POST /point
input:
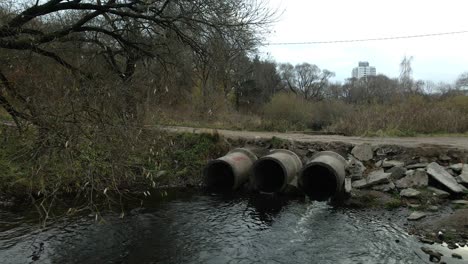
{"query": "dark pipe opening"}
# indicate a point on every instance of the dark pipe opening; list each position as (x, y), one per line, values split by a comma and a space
(269, 175)
(318, 182)
(219, 176)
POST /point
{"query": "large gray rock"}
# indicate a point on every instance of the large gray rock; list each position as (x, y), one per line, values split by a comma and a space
(392, 163)
(438, 193)
(374, 178)
(462, 179)
(355, 168)
(410, 193)
(438, 173)
(363, 152)
(416, 166)
(464, 175)
(397, 172)
(417, 178)
(416, 216)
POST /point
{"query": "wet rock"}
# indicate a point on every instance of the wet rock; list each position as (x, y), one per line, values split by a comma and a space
(438, 173)
(452, 246)
(355, 168)
(414, 206)
(440, 235)
(417, 166)
(438, 193)
(392, 163)
(410, 193)
(414, 216)
(384, 187)
(417, 178)
(433, 208)
(426, 241)
(434, 256)
(457, 256)
(374, 178)
(397, 172)
(363, 152)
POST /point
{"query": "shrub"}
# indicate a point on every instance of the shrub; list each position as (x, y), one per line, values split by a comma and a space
(288, 107)
(416, 115)
(304, 114)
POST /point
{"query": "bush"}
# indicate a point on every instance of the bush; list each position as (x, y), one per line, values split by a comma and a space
(288, 107)
(304, 114)
(416, 115)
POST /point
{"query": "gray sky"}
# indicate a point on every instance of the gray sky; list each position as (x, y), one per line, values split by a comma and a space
(440, 58)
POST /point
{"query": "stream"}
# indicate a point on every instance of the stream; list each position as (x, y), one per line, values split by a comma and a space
(186, 227)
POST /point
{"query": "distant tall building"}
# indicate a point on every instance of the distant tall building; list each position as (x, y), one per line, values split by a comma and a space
(363, 70)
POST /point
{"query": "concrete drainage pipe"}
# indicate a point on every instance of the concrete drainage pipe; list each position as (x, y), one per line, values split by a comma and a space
(273, 172)
(323, 177)
(230, 171)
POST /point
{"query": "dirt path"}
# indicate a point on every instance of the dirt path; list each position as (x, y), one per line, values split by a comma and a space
(443, 142)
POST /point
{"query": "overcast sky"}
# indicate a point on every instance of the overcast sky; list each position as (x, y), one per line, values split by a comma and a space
(440, 58)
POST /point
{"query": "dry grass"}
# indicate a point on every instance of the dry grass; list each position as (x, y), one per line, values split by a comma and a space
(412, 117)
(286, 112)
(4, 116)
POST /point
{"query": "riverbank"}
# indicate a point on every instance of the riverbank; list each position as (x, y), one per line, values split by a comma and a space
(161, 159)
(419, 181)
(104, 166)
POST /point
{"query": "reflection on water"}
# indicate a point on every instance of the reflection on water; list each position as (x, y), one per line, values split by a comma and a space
(213, 229)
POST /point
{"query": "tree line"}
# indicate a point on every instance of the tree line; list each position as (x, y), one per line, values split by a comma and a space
(79, 61)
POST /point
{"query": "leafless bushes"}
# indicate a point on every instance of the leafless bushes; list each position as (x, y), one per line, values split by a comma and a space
(411, 116)
(416, 115)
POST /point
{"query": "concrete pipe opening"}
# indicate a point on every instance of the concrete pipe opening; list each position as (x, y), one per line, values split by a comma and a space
(230, 171)
(323, 177)
(219, 176)
(319, 182)
(269, 175)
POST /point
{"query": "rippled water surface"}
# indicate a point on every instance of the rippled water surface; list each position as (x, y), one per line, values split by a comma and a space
(213, 229)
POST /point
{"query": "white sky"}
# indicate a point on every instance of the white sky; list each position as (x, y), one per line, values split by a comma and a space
(440, 58)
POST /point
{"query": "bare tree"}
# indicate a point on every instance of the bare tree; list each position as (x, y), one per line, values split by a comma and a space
(406, 75)
(373, 89)
(462, 81)
(306, 79)
(122, 32)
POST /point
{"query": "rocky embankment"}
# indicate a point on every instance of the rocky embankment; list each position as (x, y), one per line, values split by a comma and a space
(435, 191)
(425, 186)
